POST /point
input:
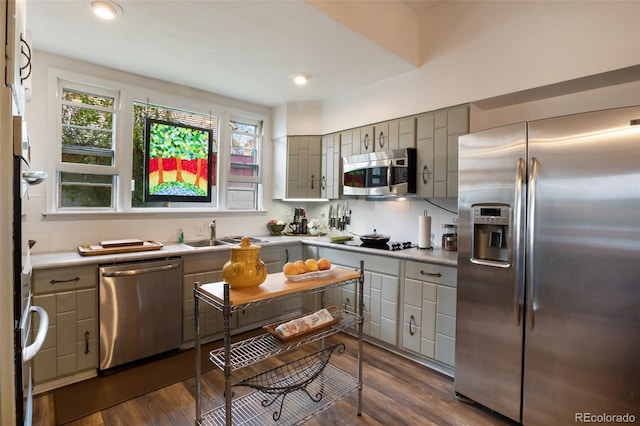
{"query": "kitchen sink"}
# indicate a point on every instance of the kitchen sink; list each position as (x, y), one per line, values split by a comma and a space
(206, 243)
(238, 239)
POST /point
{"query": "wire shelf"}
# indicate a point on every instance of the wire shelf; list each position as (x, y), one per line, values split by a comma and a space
(264, 346)
(333, 383)
(280, 382)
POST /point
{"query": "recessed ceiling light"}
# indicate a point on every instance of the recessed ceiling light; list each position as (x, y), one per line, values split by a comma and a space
(106, 9)
(301, 78)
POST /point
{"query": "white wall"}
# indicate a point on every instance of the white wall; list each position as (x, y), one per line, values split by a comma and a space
(477, 50)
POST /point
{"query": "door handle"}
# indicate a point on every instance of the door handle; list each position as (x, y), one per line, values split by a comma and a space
(381, 140)
(531, 205)
(425, 174)
(412, 320)
(140, 271)
(64, 281)
(518, 298)
(28, 352)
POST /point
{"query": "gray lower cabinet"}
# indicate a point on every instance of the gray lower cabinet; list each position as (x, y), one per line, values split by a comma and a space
(203, 268)
(207, 268)
(381, 292)
(69, 296)
(429, 311)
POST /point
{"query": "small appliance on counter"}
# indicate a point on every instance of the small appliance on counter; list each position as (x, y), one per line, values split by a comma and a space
(450, 237)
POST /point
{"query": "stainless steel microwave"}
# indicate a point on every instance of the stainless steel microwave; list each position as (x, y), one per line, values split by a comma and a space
(384, 173)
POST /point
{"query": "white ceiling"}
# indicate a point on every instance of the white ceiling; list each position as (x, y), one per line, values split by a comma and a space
(245, 49)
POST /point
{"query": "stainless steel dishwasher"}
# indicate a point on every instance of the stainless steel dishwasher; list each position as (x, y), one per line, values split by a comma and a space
(140, 310)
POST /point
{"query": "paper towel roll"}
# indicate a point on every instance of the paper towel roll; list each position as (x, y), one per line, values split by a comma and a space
(424, 232)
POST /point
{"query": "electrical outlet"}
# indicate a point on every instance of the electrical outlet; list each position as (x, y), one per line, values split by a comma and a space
(200, 229)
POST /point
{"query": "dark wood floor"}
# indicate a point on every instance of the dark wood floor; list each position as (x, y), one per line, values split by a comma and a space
(396, 391)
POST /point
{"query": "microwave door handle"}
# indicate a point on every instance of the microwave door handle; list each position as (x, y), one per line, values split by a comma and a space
(389, 176)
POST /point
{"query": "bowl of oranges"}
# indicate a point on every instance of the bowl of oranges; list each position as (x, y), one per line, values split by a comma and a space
(300, 270)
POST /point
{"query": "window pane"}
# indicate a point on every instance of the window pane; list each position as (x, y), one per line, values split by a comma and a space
(79, 96)
(241, 195)
(244, 149)
(86, 190)
(87, 128)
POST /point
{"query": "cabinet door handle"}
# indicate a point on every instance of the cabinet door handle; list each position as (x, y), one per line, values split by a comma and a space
(287, 255)
(431, 274)
(412, 320)
(366, 141)
(425, 174)
(324, 183)
(64, 281)
(381, 143)
(312, 177)
(86, 342)
(25, 50)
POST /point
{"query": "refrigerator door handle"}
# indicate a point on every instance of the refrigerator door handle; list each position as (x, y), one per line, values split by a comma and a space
(518, 298)
(531, 206)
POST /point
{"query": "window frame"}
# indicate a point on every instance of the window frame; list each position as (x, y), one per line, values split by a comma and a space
(93, 169)
(197, 101)
(260, 146)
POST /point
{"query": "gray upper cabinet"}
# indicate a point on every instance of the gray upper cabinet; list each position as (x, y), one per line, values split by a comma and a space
(367, 140)
(331, 162)
(395, 134)
(437, 135)
(297, 167)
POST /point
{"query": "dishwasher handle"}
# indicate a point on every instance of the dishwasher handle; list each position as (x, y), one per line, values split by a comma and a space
(139, 271)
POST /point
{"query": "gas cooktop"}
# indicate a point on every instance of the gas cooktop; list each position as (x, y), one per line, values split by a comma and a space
(391, 245)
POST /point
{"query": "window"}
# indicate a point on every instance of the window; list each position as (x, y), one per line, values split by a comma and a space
(99, 161)
(143, 111)
(244, 176)
(86, 168)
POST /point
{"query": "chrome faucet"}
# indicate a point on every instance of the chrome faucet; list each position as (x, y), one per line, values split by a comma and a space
(212, 230)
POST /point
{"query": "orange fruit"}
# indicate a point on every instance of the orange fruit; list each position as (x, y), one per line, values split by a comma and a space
(290, 269)
(312, 265)
(300, 266)
(324, 264)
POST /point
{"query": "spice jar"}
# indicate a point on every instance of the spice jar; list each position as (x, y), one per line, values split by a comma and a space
(244, 269)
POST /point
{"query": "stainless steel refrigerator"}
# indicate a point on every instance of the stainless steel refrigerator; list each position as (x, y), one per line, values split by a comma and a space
(548, 298)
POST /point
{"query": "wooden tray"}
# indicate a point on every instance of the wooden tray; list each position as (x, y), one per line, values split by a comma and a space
(97, 249)
(271, 328)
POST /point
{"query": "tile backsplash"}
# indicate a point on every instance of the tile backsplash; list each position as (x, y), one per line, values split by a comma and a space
(396, 218)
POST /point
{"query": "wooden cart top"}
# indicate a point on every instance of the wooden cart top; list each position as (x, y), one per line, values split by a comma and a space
(274, 286)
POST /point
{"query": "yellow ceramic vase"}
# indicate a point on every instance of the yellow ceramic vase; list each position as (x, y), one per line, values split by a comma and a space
(244, 269)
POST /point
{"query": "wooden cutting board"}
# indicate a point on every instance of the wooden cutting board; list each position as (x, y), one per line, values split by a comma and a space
(121, 243)
(98, 249)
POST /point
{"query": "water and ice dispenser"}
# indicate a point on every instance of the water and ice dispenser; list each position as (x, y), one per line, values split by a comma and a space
(490, 244)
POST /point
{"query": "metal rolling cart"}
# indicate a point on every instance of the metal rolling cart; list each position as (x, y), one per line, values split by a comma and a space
(291, 393)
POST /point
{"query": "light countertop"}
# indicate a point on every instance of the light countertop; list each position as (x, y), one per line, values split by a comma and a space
(73, 258)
